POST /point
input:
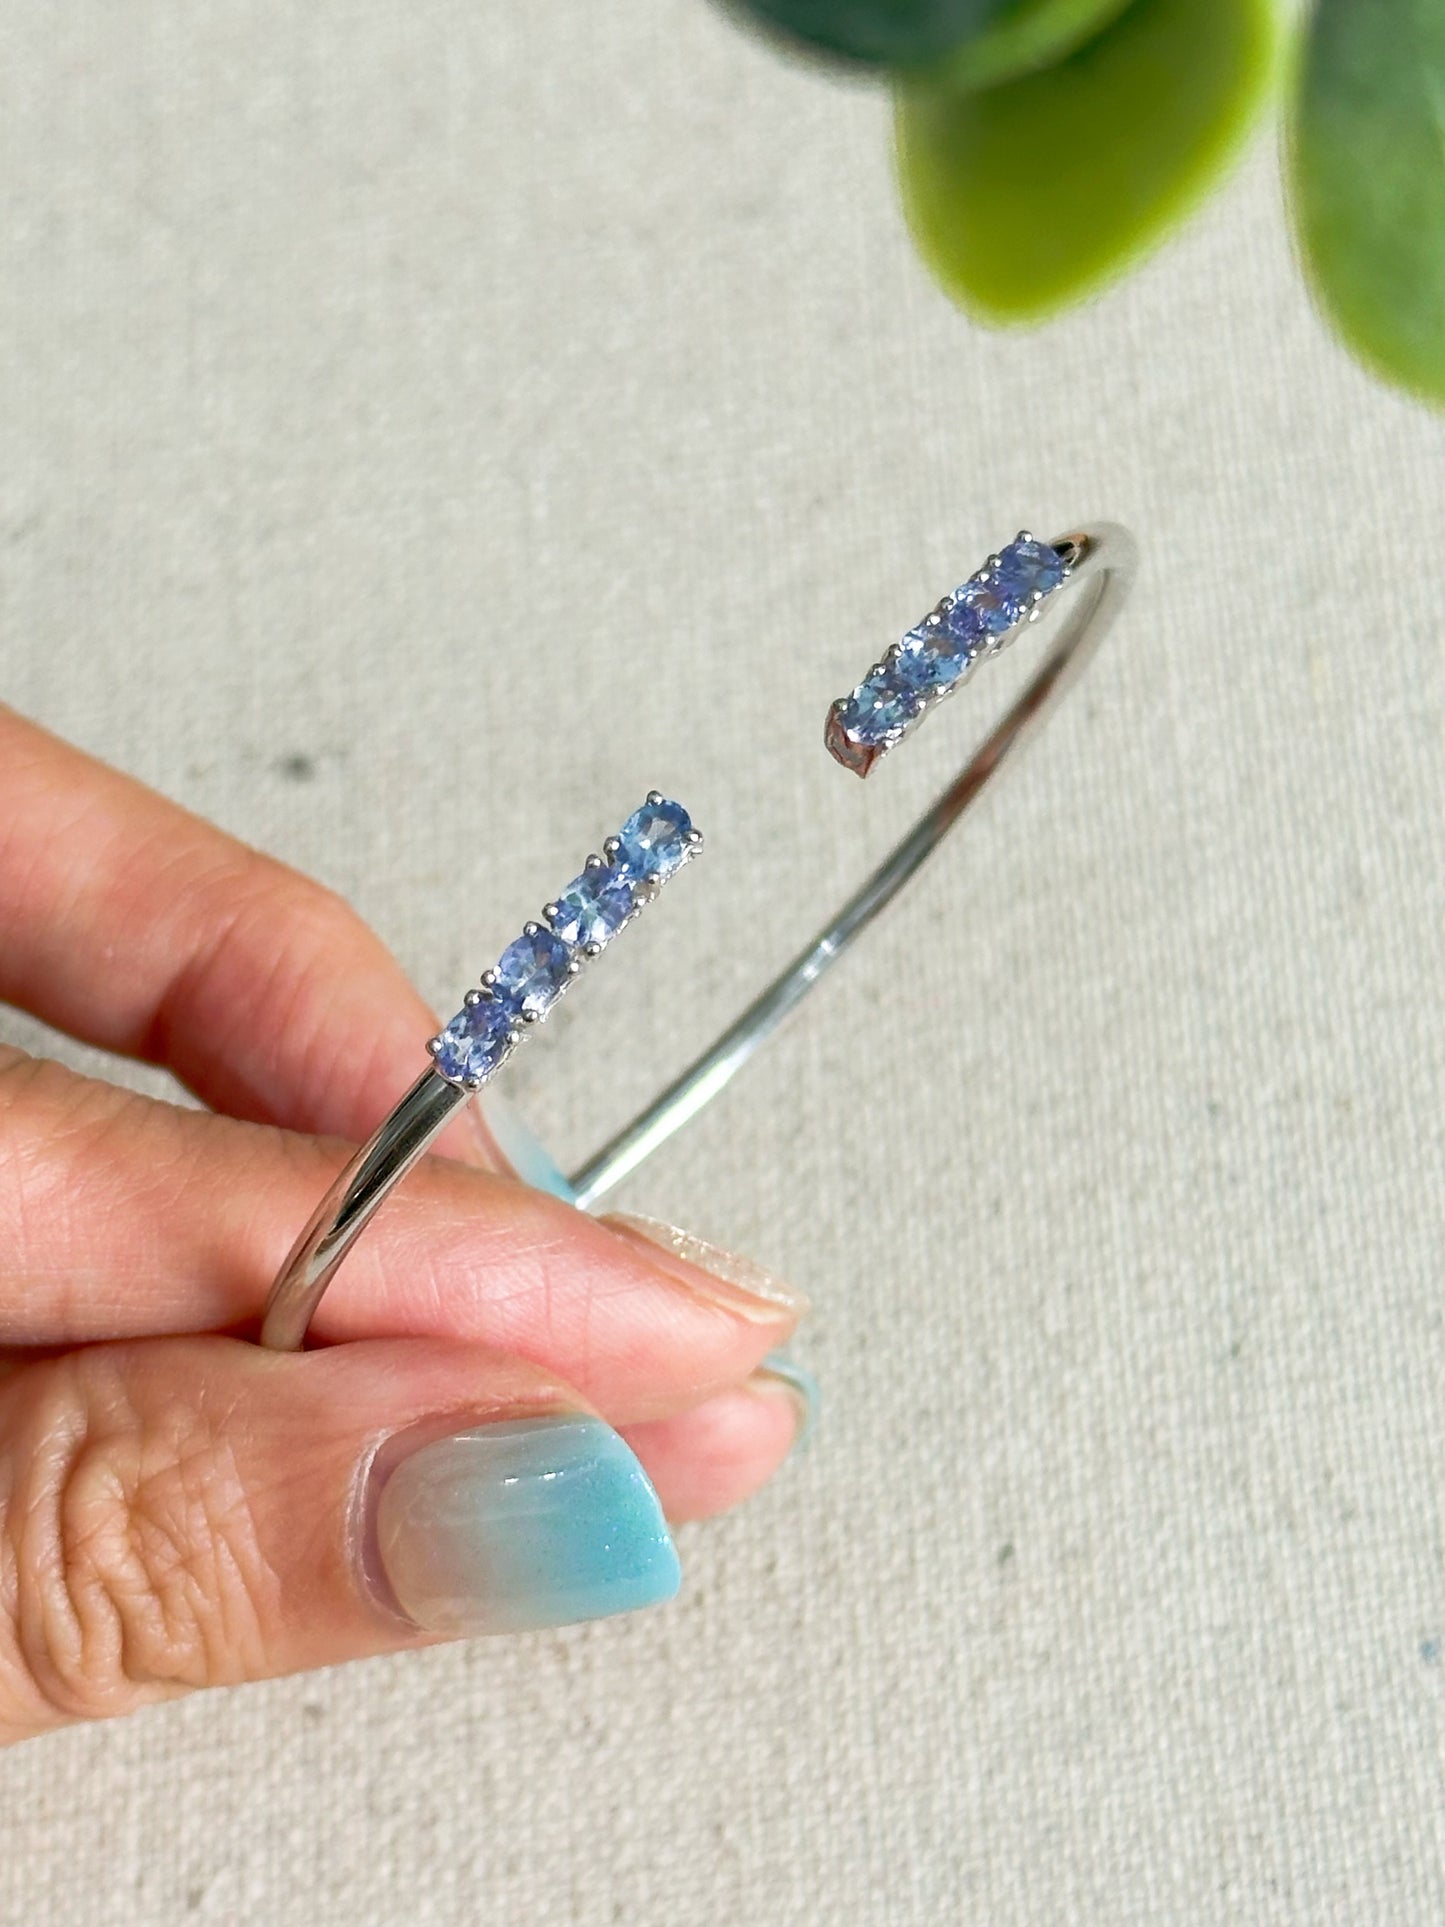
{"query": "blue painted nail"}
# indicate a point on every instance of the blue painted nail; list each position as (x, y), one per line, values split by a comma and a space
(526, 1523)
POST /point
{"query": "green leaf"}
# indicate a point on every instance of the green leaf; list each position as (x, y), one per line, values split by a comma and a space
(1026, 35)
(886, 33)
(1024, 197)
(1369, 181)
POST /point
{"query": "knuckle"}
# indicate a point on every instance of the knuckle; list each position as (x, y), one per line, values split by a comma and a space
(132, 1555)
(49, 1115)
(259, 935)
(266, 886)
(65, 1141)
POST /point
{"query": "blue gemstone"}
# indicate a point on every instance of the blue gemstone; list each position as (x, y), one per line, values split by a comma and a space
(593, 907)
(475, 1041)
(532, 971)
(982, 609)
(877, 708)
(1027, 567)
(930, 657)
(653, 842)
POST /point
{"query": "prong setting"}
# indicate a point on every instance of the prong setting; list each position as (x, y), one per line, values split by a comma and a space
(940, 653)
(515, 995)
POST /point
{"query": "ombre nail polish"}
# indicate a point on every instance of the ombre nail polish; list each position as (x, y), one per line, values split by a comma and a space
(521, 1524)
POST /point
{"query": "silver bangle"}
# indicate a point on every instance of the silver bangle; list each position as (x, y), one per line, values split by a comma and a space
(1097, 566)
(1089, 573)
(516, 994)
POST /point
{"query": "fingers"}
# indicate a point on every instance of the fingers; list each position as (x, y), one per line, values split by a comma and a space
(197, 1512)
(129, 1217)
(716, 1456)
(136, 926)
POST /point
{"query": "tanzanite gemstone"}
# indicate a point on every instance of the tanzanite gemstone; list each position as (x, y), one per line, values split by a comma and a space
(930, 657)
(532, 971)
(654, 841)
(593, 908)
(1026, 568)
(475, 1041)
(877, 708)
(981, 610)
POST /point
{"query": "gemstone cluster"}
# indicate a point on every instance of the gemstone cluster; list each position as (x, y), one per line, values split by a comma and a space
(936, 656)
(536, 967)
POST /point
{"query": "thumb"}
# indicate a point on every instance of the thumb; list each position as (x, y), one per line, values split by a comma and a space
(188, 1512)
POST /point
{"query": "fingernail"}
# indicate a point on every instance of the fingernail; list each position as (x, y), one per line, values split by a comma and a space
(526, 1523)
(781, 1374)
(735, 1282)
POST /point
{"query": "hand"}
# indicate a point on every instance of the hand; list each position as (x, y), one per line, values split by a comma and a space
(179, 1508)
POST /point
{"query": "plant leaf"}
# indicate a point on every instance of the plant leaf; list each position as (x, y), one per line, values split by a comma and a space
(1027, 195)
(1026, 35)
(1369, 181)
(884, 33)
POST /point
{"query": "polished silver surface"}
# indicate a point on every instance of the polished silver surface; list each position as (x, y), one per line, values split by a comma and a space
(1102, 561)
(351, 1203)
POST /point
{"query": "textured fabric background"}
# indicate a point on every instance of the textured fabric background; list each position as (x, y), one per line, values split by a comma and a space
(507, 408)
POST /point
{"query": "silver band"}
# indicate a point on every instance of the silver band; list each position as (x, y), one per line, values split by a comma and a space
(1104, 558)
(532, 973)
(351, 1203)
(1101, 562)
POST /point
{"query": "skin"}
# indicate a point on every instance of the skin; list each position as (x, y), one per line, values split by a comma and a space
(178, 1508)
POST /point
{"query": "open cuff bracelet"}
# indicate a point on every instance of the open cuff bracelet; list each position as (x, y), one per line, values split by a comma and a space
(1085, 575)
